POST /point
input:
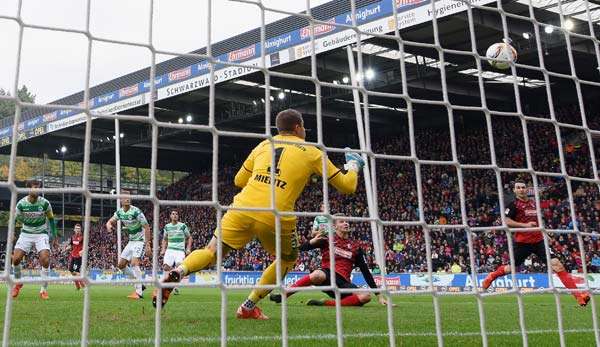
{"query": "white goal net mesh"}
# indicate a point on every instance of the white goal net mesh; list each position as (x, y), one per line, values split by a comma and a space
(440, 70)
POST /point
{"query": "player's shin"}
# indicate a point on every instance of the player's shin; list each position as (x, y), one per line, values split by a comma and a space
(17, 271)
(130, 273)
(196, 261)
(568, 282)
(351, 300)
(137, 273)
(269, 276)
(500, 271)
(44, 274)
(302, 282)
(127, 271)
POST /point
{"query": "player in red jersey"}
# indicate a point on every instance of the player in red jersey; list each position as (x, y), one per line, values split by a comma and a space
(348, 255)
(521, 213)
(76, 244)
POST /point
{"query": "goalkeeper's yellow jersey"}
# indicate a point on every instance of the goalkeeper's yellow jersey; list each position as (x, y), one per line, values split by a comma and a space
(295, 164)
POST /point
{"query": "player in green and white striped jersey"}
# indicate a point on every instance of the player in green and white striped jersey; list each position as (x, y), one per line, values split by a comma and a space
(176, 243)
(35, 214)
(136, 226)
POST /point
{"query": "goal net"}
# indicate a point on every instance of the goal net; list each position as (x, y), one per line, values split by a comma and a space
(445, 134)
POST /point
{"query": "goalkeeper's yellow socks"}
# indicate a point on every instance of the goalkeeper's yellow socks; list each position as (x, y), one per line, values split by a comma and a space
(269, 276)
(197, 260)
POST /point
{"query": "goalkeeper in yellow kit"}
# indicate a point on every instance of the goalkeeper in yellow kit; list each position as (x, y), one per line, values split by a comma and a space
(295, 163)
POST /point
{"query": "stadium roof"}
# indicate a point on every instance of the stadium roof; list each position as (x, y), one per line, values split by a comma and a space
(579, 9)
(239, 96)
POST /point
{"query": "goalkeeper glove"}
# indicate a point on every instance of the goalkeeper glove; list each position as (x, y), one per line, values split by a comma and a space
(354, 161)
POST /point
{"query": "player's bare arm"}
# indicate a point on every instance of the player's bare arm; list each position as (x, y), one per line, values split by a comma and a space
(163, 245)
(110, 224)
(188, 248)
(514, 224)
(148, 235)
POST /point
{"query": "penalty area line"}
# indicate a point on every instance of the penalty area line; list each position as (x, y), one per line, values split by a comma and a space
(209, 339)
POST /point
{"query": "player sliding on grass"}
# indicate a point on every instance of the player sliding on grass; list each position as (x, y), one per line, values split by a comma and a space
(348, 255)
(521, 213)
(136, 226)
(295, 163)
(35, 214)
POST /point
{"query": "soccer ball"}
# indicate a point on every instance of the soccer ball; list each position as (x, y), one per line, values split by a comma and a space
(322, 225)
(504, 52)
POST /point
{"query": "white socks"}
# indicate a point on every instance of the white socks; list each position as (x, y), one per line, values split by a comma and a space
(134, 272)
(128, 272)
(17, 271)
(138, 275)
(44, 273)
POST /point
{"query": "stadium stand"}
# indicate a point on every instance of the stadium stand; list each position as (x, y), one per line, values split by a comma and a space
(405, 246)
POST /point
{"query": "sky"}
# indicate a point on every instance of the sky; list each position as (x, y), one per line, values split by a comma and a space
(53, 63)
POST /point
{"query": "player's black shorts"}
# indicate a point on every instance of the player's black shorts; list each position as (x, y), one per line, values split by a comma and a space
(524, 250)
(75, 265)
(340, 281)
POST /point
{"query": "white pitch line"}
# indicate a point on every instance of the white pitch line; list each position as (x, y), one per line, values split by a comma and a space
(214, 339)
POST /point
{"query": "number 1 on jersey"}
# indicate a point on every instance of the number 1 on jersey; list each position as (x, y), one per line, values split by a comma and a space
(278, 153)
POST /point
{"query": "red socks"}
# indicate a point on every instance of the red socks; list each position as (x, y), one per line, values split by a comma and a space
(498, 273)
(564, 277)
(351, 300)
(303, 282)
(568, 281)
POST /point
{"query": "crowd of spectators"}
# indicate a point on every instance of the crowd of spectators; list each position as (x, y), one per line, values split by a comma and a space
(449, 192)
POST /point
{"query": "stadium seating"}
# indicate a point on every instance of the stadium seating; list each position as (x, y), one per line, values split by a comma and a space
(397, 197)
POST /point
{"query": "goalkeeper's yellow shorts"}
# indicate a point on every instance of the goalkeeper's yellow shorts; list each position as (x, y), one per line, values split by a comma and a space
(239, 227)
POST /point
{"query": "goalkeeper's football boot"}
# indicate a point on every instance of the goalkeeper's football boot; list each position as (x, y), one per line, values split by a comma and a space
(275, 298)
(583, 299)
(315, 302)
(255, 313)
(16, 289)
(172, 276)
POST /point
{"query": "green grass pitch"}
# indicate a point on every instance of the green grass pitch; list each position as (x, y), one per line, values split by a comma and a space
(193, 318)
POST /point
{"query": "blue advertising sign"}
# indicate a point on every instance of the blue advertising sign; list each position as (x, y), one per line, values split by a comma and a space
(394, 281)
